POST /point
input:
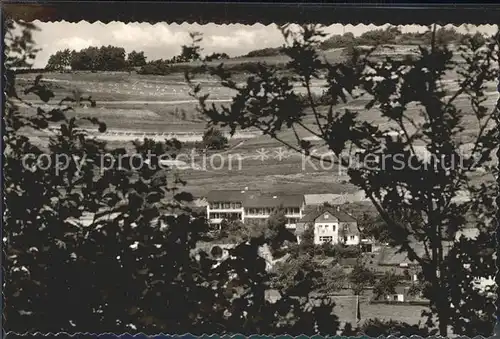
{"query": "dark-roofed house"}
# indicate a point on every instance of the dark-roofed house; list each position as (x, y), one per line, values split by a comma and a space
(331, 225)
(227, 204)
(252, 205)
(261, 207)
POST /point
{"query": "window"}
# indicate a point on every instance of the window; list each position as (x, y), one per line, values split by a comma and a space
(261, 211)
(352, 237)
(326, 216)
(395, 297)
(333, 228)
(326, 239)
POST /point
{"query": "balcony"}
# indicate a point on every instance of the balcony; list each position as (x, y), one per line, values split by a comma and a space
(217, 217)
(225, 207)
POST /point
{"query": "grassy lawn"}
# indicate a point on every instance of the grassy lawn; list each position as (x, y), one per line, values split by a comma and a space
(345, 309)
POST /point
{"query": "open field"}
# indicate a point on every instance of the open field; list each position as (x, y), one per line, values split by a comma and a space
(345, 309)
(135, 106)
(333, 55)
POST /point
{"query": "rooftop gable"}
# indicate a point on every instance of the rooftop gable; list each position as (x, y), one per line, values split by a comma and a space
(337, 213)
(259, 201)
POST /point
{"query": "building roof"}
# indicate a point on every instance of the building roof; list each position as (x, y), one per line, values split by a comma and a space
(230, 195)
(257, 201)
(398, 290)
(319, 211)
(390, 256)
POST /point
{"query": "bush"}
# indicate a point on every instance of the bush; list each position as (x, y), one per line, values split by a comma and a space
(328, 249)
(156, 67)
(338, 41)
(343, 251)
(214, 139)
(216, 56)
(264, 52)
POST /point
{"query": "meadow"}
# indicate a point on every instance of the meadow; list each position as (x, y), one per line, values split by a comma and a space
(135, 106)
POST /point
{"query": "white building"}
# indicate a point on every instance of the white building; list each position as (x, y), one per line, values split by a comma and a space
(331, 225)
(261, 207)
(227, 204)
(247, 205)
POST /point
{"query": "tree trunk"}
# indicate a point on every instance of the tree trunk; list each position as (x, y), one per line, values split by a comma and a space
(443, 313)
(443, 325)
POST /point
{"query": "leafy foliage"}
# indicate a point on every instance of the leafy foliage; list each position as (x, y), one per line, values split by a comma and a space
(376, 327)
(374, 227)
(135, 266)
(360, 278)
(418, 203)
(386, 285)
(263, 52)
(216, 56)
(192, 52)
(105, 58)
(136, 59)
(60, 61)
(213, 138)
(394, 36)
(93, 249)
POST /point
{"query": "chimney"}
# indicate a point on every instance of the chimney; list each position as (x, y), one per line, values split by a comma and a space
(338, 208)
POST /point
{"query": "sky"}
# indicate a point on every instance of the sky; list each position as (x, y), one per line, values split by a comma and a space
(163, 41)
